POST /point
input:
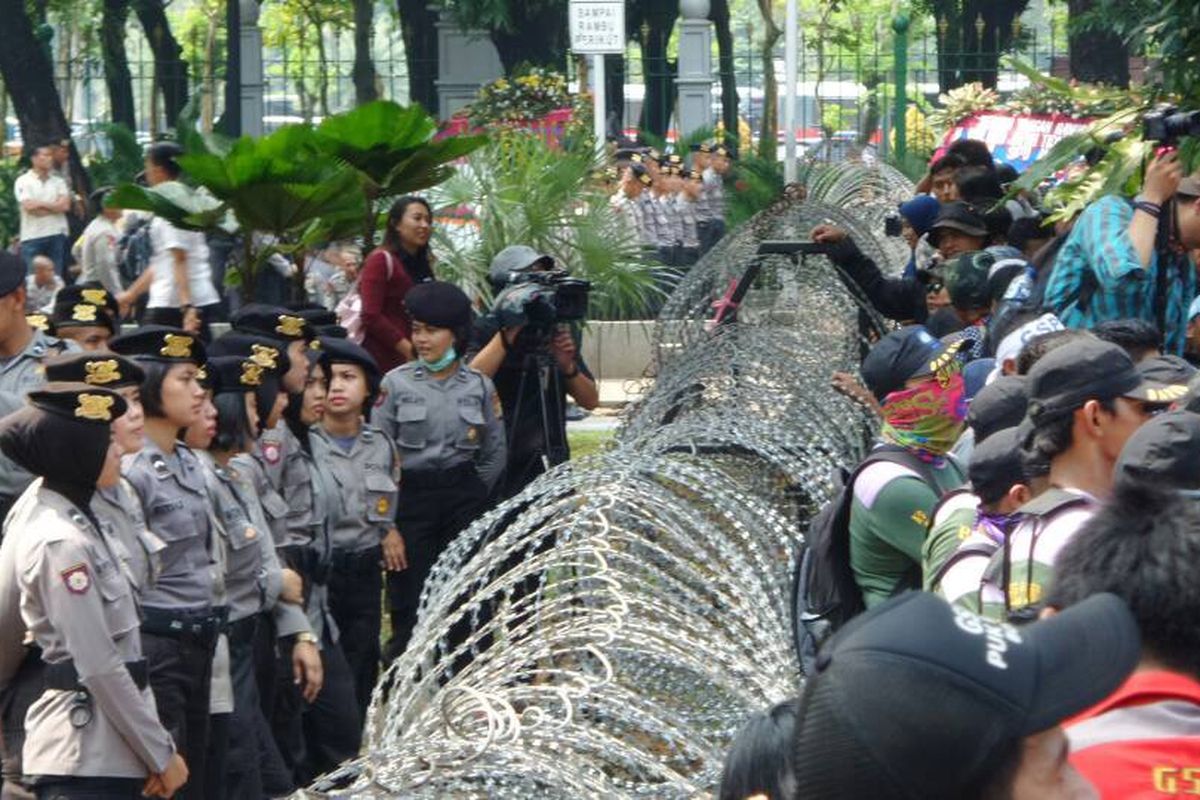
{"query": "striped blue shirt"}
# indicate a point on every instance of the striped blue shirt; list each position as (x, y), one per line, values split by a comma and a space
(1099, 253)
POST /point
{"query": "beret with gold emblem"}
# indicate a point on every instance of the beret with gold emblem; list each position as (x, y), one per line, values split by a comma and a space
(268, 352)
(78, 401)
(160, 343)
(235, 374)
(83, 305)
(109, 370)
(274, 321)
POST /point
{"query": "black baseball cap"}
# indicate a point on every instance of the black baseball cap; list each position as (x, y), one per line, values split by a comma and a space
(907, 353)
(999, 405)
(1170, 371)
(1165, 451)
(961, 217)
(996, 465)
(1087, 369)
(915, 698)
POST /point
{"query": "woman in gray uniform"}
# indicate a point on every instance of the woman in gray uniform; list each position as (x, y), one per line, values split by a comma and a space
(179, 622)
(445, 419)
(254, 580)
(93, 732)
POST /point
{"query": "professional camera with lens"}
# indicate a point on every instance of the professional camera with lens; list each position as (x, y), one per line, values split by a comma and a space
(1167, 125)
(542, 299)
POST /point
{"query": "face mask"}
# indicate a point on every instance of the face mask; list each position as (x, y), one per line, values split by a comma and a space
(445, 361)
(928, 418)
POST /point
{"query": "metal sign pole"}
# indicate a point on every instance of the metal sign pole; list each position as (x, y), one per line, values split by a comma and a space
(789, 105)
(598, 102)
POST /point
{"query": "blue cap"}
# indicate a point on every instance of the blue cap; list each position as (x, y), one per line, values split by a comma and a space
(903, 354)
(1194, 309)
(920, 212)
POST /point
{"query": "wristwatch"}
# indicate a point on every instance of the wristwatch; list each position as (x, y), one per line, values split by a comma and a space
(306, 636)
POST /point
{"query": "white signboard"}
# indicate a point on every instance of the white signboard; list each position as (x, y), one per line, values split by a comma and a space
(597, 26)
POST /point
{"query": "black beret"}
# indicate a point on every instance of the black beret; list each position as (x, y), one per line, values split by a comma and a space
(81, 314)
(268, 352)
(90, 292)
(317, 316)
(79, 402)
(702, 147)
(234, 374)
(344, 351)
(109, 370)
(274, 321)
(438, 303)
(160, 343)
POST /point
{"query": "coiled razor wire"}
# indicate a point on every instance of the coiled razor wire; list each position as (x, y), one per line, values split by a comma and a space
(607, 631)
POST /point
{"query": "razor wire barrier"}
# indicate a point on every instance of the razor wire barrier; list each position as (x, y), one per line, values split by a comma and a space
(606, 632)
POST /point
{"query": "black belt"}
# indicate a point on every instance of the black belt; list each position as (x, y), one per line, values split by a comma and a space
(64, 676)
(203, 626)
(357, 560)
(437, 478)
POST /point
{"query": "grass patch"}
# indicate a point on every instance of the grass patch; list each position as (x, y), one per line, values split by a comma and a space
(585, 443)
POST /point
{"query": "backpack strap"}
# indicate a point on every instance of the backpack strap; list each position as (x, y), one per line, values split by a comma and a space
(1039, 511)
(965, 550)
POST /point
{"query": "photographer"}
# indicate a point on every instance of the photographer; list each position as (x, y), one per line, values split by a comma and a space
(531, 351)
(1126, 260)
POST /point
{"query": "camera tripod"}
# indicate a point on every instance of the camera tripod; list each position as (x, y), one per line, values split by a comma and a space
(538, 364)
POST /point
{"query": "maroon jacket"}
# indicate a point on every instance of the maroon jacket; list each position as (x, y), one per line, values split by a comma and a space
(385, 321)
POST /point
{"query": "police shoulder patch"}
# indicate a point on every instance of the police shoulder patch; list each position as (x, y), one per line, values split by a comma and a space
(271, 452)
(77, 579)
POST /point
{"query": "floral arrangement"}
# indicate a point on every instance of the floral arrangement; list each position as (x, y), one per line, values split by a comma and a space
(529, 96)
(960, 103)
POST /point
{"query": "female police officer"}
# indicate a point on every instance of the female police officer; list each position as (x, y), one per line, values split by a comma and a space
(444, 417)
(93, 731)
(180, 625)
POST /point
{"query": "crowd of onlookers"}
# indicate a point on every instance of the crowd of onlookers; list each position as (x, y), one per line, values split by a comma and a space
(1036, 480)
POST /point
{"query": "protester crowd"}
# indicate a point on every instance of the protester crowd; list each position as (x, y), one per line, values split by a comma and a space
(202, 532)
(1036, 475)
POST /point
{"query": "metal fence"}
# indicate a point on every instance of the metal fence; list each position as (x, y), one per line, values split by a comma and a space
(844, 100)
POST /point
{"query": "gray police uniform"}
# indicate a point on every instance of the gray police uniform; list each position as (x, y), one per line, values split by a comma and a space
(451, 441)
(668, 229)
(276, 452)
(20, 375)
(689, 243)
(253, 579)
(140, 549)
(366, 477)
(79, 605)
(180, 624)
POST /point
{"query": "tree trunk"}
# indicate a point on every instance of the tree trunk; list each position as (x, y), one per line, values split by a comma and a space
(660, 71)
(418, 28)
(323, 70)
(170, 71)
(729, 94)
(117, 78)
(29, 78)
(1097, 55)
(547, 49)
(364, 68)
(768, 144)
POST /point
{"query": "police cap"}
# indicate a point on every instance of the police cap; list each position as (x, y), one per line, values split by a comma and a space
(110, 370)
(160, 343)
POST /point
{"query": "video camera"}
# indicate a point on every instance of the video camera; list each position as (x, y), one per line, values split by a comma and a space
(1167, 124)
(542, 299)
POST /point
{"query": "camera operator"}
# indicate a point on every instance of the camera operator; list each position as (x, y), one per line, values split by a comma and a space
(534, 363)
(1124, 260)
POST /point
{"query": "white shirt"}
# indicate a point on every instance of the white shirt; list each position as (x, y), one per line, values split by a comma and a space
(30, 187)
(165, 237)
(40, 299)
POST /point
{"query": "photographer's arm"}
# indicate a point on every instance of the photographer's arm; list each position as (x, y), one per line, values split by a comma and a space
(577, 382)
(1162, 179)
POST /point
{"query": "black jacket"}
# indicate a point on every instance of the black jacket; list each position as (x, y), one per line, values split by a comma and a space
(901, 299)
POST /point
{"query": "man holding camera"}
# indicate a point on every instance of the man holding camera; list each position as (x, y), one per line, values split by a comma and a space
(1129, 260)
(531, 352)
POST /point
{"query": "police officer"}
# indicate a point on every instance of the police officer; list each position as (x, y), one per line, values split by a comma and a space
(690, 189)
(446, 421)
(117, 506)
(93, 732)
(713, 178)
(705, 210)
(365, 468)
(22, 350)
(255, 583)
(85, 313)
(180, 624)
(668, 224)
(317, 736)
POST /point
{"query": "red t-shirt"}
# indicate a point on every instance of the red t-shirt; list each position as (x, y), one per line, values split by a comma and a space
(385, 321)
(1143, 741)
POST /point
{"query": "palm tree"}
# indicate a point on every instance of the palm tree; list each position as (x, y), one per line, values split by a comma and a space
(520, 190)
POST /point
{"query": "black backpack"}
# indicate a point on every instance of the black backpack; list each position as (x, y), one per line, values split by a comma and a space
(824, 593)
(134, 250)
